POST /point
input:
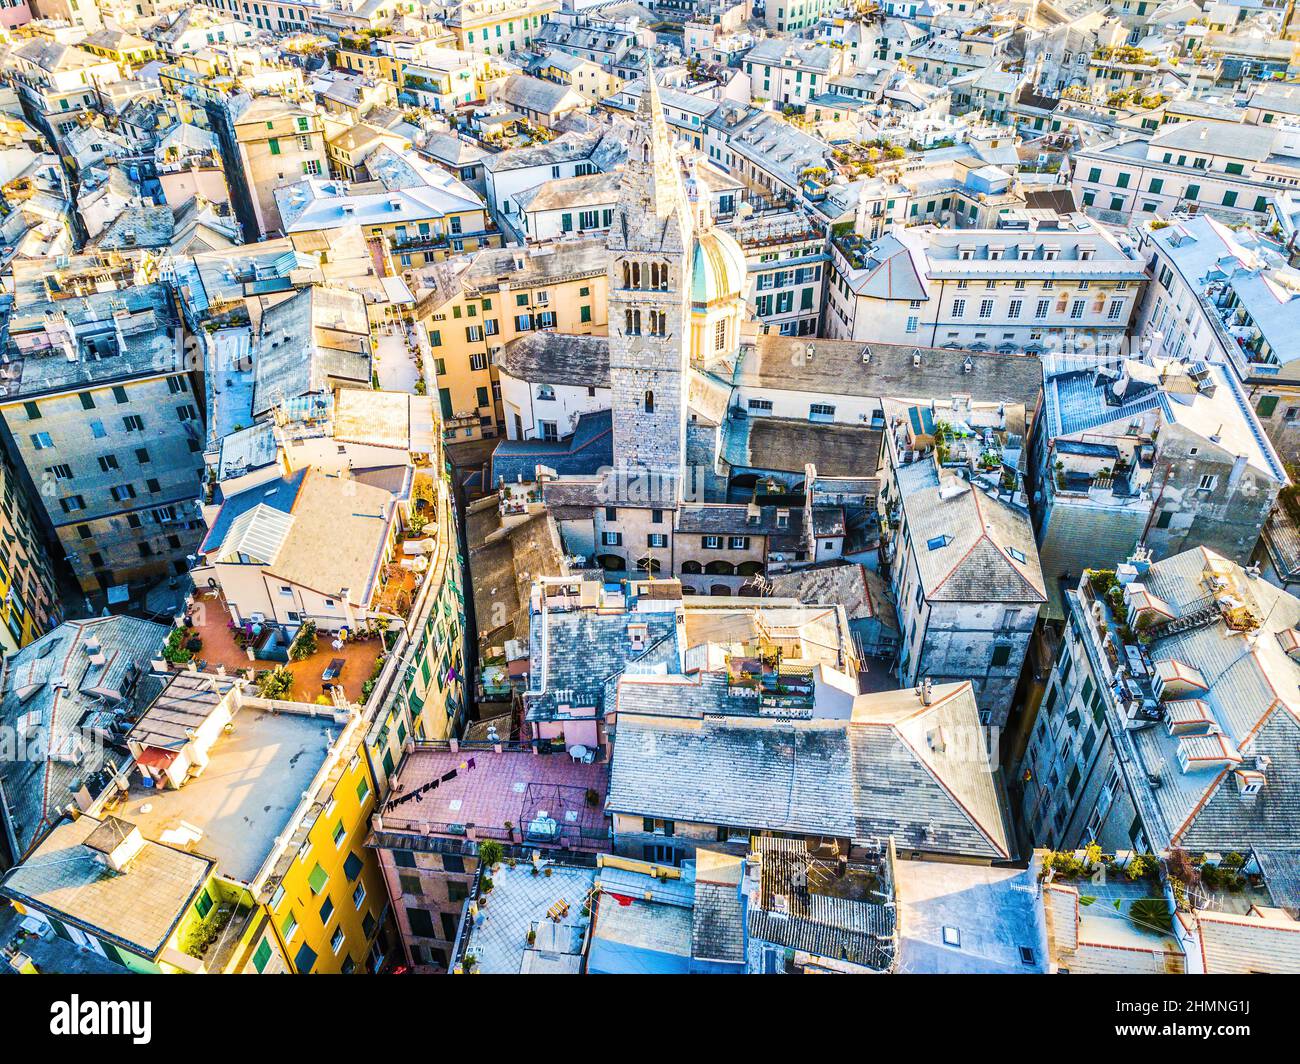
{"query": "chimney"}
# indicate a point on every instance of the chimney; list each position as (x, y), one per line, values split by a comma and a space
(927, 692)
(117, 841)
(80, 794)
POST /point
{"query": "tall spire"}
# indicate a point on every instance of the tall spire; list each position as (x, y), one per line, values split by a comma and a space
(651, 179)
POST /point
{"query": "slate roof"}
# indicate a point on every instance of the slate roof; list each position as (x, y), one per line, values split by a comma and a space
(278, 495)
(786, 444)
(554, 358)
(585, 652)
(588, 449)
(138, 909)
(862, 778)
(1250, 682)
(837, 368)
(317, 336)
(54, 686)
(717, 920)
(973, 563)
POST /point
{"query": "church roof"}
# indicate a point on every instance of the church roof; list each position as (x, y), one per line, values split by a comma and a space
(718, 267)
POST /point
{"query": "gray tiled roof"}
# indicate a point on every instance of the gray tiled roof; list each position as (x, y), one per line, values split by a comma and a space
(138, 908)
(585, 652)
(54, 684)
(837, 368)
(973, 563)
(555, 358)
(851, 779)
(716, 923)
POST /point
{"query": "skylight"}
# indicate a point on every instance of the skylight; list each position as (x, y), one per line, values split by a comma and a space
(1016, 555)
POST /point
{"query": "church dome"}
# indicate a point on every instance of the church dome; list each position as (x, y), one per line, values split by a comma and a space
(717, 267)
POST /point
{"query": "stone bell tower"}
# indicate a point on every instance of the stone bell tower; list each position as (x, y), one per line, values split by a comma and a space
(649, 315)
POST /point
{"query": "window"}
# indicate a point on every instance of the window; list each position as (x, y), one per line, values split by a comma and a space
(611, 539)
(656, 539)
(1208, 482)
(107, 462)
(33, 411)
(952, 937)
(738, 543)
(760, 404)
(87, 401)
(958, 308)
(986, 308)
(1013, 309)
(1266, 406)
(711, 542)
(133, 423)
(821, 410)
(421, 921)
(41, 441)
(649, 403)
(1001, 654)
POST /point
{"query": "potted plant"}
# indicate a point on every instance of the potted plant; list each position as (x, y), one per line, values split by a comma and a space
(490, 853)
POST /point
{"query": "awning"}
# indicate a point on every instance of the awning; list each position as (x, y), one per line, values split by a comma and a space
(154, 757)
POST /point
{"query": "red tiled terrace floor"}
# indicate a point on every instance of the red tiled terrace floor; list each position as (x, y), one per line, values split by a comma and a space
(219, 648)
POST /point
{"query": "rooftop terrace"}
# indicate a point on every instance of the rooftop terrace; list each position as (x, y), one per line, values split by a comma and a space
(225, 645)
(550, 903)
(244, 799)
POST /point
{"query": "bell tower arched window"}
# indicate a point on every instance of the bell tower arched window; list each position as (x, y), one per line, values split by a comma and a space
(649, 402)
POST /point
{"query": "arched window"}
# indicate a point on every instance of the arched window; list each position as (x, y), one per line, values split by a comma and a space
(627, 274)
(720, 337)
(649, 402)
(633, 323)
(636, 275)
